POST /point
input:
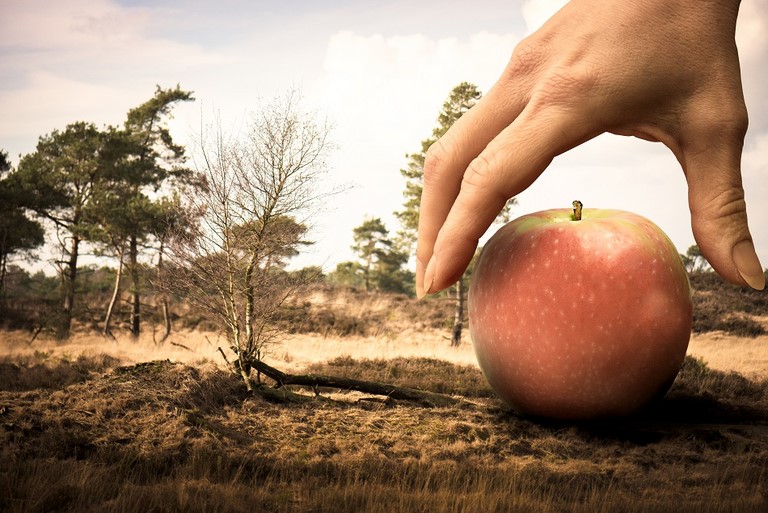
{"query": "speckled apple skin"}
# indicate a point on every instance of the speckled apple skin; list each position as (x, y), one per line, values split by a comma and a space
(580, 319)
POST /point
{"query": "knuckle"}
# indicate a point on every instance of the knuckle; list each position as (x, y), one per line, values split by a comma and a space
(434, 162)
(723, 203)
(729, 203)
(481, 178)
(478, 172)
(527, 58)
(721, 120)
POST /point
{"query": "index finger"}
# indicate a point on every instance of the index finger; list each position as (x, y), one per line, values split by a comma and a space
(506, 167)
(444, 167)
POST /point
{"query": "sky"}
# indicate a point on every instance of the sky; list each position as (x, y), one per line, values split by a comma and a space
(378, 71)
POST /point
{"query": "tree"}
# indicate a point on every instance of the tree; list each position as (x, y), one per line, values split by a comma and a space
(382, 266)
(348, 274)
(461, 98)
(155, 160)
(694, 261)
(59, 181)
(172, 218)
(256, 190)
(18, 233)
(391, 274)
(371, 243)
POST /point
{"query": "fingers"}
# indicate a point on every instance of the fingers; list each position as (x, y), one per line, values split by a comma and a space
(507, 166)
(718, 210)
(446, 163)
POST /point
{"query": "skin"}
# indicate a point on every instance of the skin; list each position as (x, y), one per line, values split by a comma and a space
(654, 69)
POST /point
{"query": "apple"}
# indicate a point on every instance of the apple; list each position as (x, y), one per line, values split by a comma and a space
(580, 314)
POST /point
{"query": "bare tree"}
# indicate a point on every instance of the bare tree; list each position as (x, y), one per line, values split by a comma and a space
(259, 191)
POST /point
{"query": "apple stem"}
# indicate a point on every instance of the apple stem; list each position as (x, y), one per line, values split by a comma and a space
(577, 210)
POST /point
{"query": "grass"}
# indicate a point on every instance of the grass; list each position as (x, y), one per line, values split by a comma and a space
(720, 306)
(163, 436)
(131, 426)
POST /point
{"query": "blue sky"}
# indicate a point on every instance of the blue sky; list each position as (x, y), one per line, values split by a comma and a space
(378, 70)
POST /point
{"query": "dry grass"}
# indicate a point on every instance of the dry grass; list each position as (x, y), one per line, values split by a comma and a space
(745, 355)
(720, 306)
(161, 436)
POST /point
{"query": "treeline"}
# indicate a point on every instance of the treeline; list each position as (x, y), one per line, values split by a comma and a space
(214, 230)
(31, 298)
(115, 191)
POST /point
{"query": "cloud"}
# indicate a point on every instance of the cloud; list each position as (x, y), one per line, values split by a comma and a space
(752, 41)
(384, 94)
(41, 99)
(82, 60)
(64, 25)
(536, 12)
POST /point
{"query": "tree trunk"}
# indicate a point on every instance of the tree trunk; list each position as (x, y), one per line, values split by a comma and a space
(458, 319)
(248, 315)
(68, 279)
(3, 274)
(115, 293)
(135, 289)
(367, 273)
(163, 293)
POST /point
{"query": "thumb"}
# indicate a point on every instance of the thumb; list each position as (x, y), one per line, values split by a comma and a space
(719, 215)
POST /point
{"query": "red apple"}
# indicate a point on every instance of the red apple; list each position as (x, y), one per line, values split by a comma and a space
(580, 319)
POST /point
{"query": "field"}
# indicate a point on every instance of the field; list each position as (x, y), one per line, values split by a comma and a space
(97, 425)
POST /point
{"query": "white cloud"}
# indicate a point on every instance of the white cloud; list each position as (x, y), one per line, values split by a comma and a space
(752, 41)
(82, 60)
(41, 99)
(384, 95)
(536, 12)
(67, 24)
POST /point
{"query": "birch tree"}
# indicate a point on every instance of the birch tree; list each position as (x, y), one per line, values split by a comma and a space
(257, 195)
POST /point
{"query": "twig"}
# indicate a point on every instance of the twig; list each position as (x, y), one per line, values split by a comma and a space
(224, 356)
(35, 334)
(181, 346)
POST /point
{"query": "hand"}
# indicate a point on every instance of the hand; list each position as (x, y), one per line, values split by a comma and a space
(659, 70)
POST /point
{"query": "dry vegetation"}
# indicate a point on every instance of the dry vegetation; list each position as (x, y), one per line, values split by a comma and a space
(95, 426)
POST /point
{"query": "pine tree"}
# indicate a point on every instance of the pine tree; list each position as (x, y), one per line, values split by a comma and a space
(461, 98)
(371, 243)
(59, 182)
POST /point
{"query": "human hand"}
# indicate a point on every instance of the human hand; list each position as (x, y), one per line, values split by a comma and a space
(658, 70)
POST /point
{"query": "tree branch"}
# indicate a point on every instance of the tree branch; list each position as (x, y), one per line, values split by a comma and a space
(423, 397)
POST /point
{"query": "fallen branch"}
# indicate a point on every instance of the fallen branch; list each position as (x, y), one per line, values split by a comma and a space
(368, 387)
(181, 346)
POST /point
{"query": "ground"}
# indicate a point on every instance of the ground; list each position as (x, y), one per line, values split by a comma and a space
(95, 425)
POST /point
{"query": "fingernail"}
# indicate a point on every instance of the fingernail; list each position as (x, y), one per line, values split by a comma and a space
(429, 276)
(748, 264)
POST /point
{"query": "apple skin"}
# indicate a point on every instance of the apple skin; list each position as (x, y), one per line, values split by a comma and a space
(578, 320)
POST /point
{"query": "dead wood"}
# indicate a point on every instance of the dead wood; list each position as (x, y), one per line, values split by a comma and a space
(423, 397)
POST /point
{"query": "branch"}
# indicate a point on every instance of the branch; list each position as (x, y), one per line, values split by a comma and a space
(369, 387)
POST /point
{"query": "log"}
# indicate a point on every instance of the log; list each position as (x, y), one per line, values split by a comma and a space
(422, 397)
